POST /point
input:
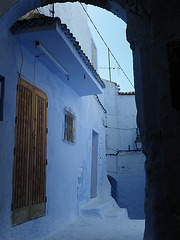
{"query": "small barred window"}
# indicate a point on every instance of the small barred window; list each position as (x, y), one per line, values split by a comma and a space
(69, 128)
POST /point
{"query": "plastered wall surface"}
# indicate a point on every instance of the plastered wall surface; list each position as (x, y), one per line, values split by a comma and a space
(64, 195)
(73, 15)
(127, 168)
(149, 28)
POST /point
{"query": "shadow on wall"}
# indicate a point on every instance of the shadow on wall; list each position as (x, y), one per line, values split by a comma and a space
(128, 192)
(113, 183)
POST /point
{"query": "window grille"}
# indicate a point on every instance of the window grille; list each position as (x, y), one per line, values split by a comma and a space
(69, 128)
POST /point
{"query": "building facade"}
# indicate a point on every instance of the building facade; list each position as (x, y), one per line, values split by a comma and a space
(73, 15)
(52, 137)
(153, 33)
(125, 161)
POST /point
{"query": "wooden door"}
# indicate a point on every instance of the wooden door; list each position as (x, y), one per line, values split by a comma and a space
(29, 172)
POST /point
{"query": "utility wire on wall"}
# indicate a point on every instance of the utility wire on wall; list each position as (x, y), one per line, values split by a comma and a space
(120, 128)
(109, 64)
(109, 51)
(118, 151)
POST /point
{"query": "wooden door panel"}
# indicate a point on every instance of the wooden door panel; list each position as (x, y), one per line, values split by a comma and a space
(39, 163)
(22, 153)
(20, 215)
(37, 210)
(29, 172)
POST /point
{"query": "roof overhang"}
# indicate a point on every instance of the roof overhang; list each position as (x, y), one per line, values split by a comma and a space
(62, 46)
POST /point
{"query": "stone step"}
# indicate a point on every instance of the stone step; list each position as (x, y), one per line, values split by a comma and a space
(96, 209)
(104, 209)
(116, 213)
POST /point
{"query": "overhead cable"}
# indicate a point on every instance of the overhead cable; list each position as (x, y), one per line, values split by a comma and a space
(107, 46)
(121, 128)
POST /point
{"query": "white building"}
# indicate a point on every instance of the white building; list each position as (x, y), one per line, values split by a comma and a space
(125, 163)
(73, 15)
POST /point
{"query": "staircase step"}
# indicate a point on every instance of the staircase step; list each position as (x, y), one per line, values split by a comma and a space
(116, 213)
(96, 209)
(104, 209)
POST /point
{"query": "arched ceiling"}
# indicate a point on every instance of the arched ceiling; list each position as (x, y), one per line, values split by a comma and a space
(11, 10)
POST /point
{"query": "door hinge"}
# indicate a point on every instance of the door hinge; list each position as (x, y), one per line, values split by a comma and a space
(46, 130)
(45, 198)
(11, 207)
(15, 119)
(17, 87)
(47, 104)
(14, 151)
(46, 162)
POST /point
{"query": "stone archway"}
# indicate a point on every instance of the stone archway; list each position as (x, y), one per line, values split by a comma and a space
(138, 29)
(17, 8)
(157, 119)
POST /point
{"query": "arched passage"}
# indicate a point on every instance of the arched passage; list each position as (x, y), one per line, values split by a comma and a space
(16, 9)
(157, 119)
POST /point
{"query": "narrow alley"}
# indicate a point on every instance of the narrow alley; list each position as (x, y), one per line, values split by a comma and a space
(101, 220)
(101, 229)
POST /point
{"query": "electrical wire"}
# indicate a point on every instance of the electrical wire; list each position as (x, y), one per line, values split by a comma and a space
(107, 46)
(111, 148)
(29, 80)
(118, 151)
(21, 55)
(35, 61)
(121, 128)
(113, 68)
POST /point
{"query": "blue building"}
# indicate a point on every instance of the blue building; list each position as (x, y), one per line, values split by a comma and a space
(52, 137)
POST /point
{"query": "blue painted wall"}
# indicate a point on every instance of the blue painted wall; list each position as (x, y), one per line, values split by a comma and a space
(130, 194)
(64, 196)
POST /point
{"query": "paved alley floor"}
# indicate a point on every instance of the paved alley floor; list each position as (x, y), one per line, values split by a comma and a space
(98, 229)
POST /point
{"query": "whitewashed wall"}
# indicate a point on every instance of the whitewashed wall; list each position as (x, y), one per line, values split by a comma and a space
(73, 15)
(127, 168)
